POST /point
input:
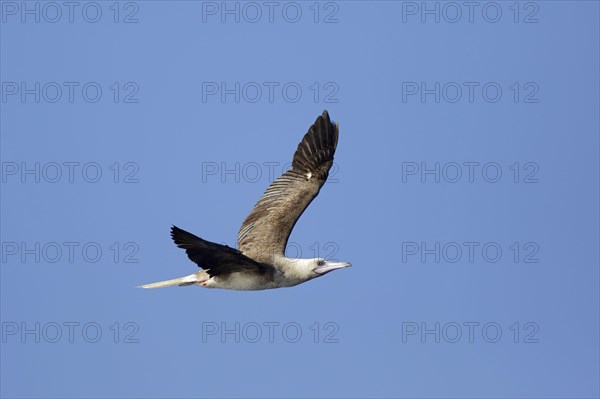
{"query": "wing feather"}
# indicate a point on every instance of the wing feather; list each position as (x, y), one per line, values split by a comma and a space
(215, 258)
(265, 232)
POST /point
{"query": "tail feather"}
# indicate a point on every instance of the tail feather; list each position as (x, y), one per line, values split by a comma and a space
(182, 281)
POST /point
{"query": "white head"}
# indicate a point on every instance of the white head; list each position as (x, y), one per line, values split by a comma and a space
(307, 269)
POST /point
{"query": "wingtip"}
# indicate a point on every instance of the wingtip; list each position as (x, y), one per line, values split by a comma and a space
(174, 230)
(325, 115)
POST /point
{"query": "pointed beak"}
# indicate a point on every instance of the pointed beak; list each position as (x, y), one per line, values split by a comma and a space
(329, 266)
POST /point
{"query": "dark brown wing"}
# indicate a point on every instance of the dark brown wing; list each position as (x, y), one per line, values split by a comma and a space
(215, 258)
(265, 231)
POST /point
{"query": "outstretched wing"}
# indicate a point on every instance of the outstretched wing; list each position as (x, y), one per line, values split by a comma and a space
(215, 258)
(265, 231)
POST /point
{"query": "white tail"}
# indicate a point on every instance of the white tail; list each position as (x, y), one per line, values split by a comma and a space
(187, 280)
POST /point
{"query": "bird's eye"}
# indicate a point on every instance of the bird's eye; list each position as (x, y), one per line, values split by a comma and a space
(321, 263)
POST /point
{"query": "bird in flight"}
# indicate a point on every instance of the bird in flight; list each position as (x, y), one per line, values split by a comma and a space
(260, 263)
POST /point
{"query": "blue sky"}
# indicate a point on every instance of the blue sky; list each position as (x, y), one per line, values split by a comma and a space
(465, 194)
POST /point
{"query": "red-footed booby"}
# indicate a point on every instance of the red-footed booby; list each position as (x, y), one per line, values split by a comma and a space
(259, 263)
